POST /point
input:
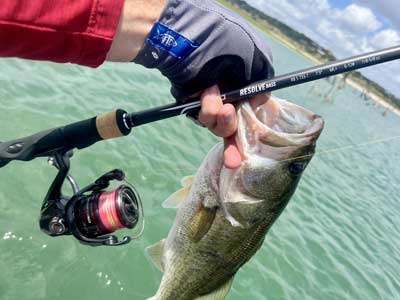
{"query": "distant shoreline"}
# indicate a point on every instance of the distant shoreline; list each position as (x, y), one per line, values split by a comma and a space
(380, 100)
(277, 35)
(374, 97)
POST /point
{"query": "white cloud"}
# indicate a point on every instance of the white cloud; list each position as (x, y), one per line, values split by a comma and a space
(328, 33)
(358, 19)
(352, 30)
(284, 10)
(385, 38)
(389, 9)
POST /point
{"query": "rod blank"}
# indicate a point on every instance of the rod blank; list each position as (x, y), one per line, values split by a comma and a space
(192, 107)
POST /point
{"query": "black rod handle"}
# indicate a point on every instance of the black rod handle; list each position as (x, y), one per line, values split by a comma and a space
(79, 135)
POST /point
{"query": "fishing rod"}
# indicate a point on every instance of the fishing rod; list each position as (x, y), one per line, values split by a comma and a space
(92, 213)
(192, 106)
(119, 123)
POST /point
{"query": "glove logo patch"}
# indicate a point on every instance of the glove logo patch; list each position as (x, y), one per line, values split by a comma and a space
(175, 44)
(166, 39)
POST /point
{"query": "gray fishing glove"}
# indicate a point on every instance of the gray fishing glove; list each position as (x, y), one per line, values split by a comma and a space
(199, 43)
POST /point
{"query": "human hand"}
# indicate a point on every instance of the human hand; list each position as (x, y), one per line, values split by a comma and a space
(200, 43)
(221, 120)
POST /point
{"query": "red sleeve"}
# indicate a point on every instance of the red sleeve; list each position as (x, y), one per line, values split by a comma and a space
(77, 31)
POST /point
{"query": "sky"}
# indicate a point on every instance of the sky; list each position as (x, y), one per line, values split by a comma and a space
(347, 27)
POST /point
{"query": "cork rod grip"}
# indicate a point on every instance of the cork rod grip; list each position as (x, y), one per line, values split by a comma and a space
(112, 125)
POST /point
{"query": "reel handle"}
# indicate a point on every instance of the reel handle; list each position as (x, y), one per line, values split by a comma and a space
(62, 139)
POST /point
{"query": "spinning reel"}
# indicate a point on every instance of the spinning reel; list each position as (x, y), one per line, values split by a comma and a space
(91, 214)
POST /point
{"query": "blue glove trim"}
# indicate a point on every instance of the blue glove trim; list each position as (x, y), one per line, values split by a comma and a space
(169, 40)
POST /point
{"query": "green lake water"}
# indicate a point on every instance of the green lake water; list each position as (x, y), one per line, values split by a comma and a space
(338, 238)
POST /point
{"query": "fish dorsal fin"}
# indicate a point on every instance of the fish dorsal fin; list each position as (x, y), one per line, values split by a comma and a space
(155, 252)
(187, 181)
(175, 200)
(201, 222)
(220, 293)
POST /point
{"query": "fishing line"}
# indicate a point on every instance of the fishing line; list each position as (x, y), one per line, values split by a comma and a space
(322, 152)
(344, 148)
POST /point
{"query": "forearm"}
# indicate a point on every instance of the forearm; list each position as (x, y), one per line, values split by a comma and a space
(136, 21)
(84, 32)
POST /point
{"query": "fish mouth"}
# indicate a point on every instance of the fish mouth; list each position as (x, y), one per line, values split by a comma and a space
(276, 123)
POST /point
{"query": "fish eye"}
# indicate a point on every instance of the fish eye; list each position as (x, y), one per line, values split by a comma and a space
(297, 167)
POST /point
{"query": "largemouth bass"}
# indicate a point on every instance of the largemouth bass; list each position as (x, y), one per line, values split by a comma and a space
(223, 214)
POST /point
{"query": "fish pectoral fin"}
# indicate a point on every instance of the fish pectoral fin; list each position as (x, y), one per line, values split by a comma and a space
(220, 293)
(201, 222)
(187, 181)
(175, 200)
(155, 253)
